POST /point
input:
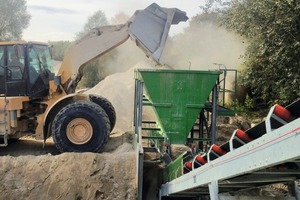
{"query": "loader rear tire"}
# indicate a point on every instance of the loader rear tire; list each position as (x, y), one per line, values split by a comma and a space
(107, 107)
(80, 127)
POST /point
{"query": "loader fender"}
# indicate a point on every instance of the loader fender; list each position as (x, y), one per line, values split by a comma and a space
(56, 107)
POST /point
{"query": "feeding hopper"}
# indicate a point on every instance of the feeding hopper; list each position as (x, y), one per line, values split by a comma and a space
(177, 97)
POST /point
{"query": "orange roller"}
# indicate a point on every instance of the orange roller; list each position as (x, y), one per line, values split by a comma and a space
(200, 160)
(218, 150)
(282, 112)
(243, 136)
(187, 167)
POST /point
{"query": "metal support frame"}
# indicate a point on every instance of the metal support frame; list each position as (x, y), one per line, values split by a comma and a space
(214, 114)
(276, 147)
(270, 116)
(202, 123)
(138, 106)
(234, 137)
(296, 190)
(213, 190)
(203, 132)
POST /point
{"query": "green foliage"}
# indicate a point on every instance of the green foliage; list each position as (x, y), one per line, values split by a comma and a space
(251, 115)
(93, 73)
(90, 78)
(210, 17)
(249, 103)
(245, 109)
(210, 12)
(59, 48)
(240, 109)
(271, 27)
(13, 19)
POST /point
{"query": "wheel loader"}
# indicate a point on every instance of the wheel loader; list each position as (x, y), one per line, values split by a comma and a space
(35, 101)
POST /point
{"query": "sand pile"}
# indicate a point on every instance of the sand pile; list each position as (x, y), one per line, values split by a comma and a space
(109, 175)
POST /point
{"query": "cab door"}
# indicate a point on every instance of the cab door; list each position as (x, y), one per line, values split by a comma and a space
(12, 79)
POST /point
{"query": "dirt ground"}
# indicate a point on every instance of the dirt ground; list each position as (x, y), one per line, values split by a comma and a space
(29, 171)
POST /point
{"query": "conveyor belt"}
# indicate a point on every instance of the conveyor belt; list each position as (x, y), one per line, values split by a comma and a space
(272, 156)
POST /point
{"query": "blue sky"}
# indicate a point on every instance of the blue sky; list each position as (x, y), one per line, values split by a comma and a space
(60, 20)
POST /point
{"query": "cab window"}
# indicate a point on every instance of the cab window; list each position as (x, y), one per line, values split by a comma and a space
(15, 62)
(39, 60)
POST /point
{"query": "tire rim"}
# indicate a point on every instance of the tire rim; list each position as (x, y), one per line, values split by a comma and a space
(79, 131)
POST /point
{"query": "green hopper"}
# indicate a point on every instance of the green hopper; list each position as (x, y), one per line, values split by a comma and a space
(177, 96)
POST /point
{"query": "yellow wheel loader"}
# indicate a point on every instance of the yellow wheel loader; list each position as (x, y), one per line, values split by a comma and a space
(35, 101)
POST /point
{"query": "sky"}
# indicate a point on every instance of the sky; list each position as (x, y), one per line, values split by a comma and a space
(55, 20)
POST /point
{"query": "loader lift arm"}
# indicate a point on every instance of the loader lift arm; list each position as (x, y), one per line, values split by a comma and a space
(148, 28)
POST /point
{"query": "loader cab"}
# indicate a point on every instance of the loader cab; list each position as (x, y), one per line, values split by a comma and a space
(25, 69)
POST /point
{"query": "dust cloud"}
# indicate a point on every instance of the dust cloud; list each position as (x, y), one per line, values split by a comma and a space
(198, 48)
(123, 58)
(202, 46)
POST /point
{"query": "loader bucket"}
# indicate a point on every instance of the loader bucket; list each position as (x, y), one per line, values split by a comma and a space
(156, 22)
(177, 97)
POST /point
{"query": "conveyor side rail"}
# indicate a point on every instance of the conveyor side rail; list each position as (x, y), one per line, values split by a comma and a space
(271, 143)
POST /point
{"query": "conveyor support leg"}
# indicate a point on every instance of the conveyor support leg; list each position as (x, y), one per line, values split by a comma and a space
(214, 190)
(297, 191)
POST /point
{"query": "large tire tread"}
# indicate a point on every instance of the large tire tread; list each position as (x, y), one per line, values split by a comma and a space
(62, 117)
(107, 107)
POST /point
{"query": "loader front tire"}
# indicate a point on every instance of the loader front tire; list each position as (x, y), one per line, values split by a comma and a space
(80, 127)
(107, 107)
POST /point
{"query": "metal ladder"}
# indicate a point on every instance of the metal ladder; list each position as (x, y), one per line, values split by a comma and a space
(3, 122)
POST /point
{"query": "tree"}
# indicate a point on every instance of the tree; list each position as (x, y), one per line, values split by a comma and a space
(271, 27)
(13, 19)
(96, 20)
(215, 6)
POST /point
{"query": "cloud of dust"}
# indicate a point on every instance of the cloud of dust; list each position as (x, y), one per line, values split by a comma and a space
(200, 47)
(197, 48)
(125, 57)
(204, 47)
